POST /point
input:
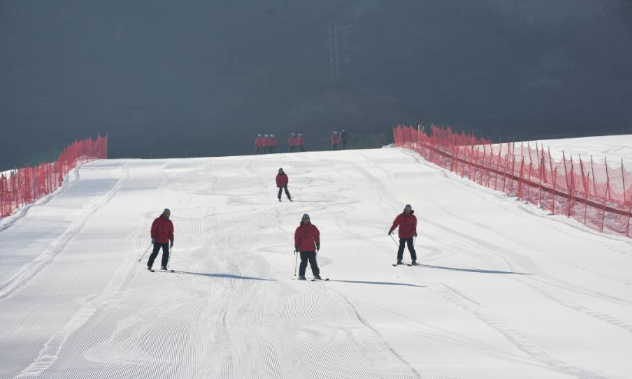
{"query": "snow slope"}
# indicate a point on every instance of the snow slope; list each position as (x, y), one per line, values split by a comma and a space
(504, 290)
(613, 148)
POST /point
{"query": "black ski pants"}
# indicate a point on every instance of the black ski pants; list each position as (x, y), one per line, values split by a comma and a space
(344, 144)
(334, 146)
(287, 193)
(411, 248)
(154, 254)
(292, 149)
(311, 257)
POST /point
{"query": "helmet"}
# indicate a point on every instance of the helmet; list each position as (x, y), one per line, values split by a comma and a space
(305, 216)
(408, 207)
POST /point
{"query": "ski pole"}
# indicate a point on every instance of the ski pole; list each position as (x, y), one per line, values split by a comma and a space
(295, 261)
(169, 256)
(141, 257)
(395, 242)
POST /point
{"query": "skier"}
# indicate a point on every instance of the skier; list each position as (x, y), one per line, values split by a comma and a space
(307, 242)
(300, 142)
(273, 143)
(281, 181)
(259, 144)
(407, 223)
(266, 144)
(335, 140)
(292, 142)
(345, 137)
(161, 237)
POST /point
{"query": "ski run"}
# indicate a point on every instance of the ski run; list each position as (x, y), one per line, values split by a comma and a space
(501, 290)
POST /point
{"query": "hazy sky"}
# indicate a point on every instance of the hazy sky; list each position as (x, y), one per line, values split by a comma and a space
(166, 78)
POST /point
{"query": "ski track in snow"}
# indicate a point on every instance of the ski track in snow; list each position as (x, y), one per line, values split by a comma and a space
(83, 306)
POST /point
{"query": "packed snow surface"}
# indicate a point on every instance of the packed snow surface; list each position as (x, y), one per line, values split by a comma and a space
(503, 289)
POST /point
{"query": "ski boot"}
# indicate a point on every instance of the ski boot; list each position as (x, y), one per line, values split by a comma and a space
(317, 277)
(163, 268)
(301, 277)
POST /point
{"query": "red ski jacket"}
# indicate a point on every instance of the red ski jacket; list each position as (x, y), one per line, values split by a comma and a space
(307, 237)
(407, 225)
(282, 180)
(273, 141)
(267, 141)
(259, 142)
(162, 230)
(299, 141)
(335, 138)
(292, 141)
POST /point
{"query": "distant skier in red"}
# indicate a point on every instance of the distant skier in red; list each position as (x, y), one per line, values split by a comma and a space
(292, 142)
(300, 143)
(267, 142)
(307, 242)
(273, 143)
(259, 144)
(335, 141)
(407, 223)
(281, 182)
(161, 237)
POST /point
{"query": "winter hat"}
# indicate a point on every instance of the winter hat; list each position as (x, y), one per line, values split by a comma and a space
(281, 169)
(166, 211)
(408, 207)
(305, 216)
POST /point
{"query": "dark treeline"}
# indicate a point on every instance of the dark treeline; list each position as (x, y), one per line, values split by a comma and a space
(201, 78)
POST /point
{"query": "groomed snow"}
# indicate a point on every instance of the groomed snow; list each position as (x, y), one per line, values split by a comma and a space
(503, 290)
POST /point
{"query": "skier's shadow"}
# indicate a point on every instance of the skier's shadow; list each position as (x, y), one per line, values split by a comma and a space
(474, 270)
(377, 283)
(225, 276)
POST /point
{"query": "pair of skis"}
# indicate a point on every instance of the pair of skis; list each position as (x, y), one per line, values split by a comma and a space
(167, 270)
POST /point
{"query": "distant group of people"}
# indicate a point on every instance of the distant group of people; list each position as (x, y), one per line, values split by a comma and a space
(267, 143)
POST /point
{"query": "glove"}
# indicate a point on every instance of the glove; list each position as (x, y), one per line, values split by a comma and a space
(390, 232)
(296, 249)
(153, 241)
(317, 247)
(171, 243)
(415, 234)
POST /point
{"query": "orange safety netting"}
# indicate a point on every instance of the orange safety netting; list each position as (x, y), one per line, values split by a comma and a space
(25, 185)
(592, 193)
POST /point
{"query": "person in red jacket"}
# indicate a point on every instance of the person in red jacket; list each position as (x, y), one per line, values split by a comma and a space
(292, 142)
(273, 143)
(407, 223)
(335, 140)
(259, 144)
(281, 182)
(267, 142)
(300, 142)
(307, 242)
(161, 237)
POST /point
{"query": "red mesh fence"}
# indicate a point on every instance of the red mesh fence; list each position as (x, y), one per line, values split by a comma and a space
(593, 193)
(25, 185)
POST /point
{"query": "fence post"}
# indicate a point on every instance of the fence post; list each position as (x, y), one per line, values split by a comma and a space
(585, 187)
(603, 213)
(627, 228)
(519, 189)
